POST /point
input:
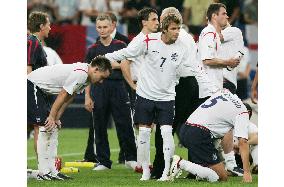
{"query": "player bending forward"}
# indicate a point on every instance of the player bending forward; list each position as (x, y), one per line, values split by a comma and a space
(66, 80)
(219, 114)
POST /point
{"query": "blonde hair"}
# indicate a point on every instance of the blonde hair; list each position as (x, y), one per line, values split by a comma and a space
(172, 11)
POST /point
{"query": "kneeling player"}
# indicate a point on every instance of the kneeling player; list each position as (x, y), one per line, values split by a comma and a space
(212, 120)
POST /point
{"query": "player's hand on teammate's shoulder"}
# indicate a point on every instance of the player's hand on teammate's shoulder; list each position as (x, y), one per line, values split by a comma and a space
(115, 65)
(247, 178)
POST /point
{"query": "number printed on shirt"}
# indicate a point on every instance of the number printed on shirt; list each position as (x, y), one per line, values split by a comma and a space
(214, 101)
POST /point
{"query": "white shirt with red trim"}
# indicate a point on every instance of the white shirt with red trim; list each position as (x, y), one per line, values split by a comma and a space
(209, 48)
(52, 79)
(159, 71)
(233, 42)
(222, 112)
(137, 61)
(206, 86)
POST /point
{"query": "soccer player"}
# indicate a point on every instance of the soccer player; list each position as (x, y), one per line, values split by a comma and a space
(155, 87)
(66, 80)
(221, 112)
(193, 89)
(209, 44)
(252, 141)
(232, 45)
(148, 21)
(38, 28)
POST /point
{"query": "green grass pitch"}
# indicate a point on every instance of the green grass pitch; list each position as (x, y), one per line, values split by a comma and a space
(72, 144)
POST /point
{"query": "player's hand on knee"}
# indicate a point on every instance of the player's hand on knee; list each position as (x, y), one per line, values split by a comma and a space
(247, 178)
(58, 124)
(89, 104)
(49, 124)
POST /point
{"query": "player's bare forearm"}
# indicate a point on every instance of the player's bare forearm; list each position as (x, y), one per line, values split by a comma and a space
(62, 97)
(125, 69)
(215, 62)
(64, 106)
(244, 151)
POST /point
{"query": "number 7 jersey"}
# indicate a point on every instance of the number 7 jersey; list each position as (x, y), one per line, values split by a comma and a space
(158, 74)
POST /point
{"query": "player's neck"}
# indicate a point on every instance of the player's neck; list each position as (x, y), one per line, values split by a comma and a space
(216, 26)
(38, 36)
(106, 41)
(166, 40)
(145, 31)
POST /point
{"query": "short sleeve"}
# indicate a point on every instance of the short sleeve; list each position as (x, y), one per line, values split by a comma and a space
(242, 125)
(207, 46)
(75, 82)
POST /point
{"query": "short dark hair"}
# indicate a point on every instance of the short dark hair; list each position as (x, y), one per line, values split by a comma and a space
(168, 20)
(249, 109)
(214, 9)
(102, 63)
(144, 15)
(35, 20)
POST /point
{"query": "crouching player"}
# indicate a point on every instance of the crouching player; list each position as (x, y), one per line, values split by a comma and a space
(212, 120)
(252, 141)
(66, 80)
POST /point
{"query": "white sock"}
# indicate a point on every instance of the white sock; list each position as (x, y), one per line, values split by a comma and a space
(200, 171)
(168, 147)
(230, 160)
(143, 151)
(254, 153)
(32, 174)
(53, 151)
(42, 150)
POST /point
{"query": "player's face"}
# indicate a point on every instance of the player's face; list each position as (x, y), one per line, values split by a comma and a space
(96, 75)
(222, 18)
(172, 32)
(153, 23)
(104, 28)
(45, 29)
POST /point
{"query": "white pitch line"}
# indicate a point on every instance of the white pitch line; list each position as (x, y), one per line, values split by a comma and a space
(76, 154)
(71, 154)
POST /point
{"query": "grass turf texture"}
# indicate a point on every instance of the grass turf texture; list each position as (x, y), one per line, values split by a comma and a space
(72, 144)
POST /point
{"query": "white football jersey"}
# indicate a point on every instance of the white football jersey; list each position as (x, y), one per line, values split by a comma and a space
(208, 48)
(137, 62)
(222, 112)
(206, 86)
(52, 79)
(233, 42)
(159, 71)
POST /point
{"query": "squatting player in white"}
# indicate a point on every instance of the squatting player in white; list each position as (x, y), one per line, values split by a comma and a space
(156, 86)
(66, 80)
(216, 117)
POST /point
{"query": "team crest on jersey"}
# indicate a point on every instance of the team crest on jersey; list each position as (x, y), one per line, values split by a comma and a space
(174, 57)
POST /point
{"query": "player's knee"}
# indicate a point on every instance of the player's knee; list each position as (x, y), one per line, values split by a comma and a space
(223, 176)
